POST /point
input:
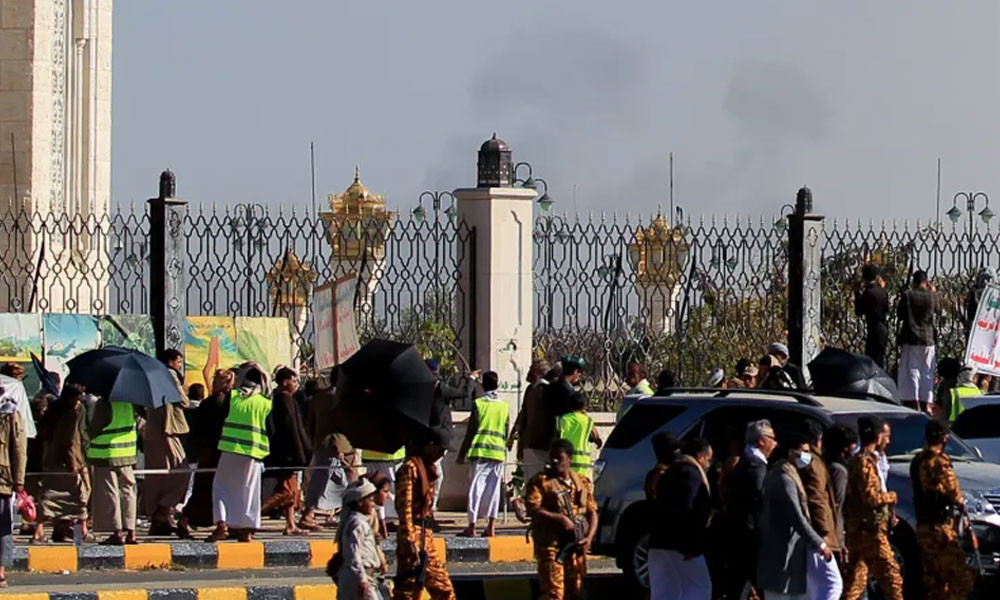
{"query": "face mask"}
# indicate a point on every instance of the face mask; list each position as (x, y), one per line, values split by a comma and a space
(803, 459)
(855, 450)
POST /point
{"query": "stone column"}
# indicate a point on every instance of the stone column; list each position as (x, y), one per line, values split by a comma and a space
(498, 283)
(167, 268)
(805, 243)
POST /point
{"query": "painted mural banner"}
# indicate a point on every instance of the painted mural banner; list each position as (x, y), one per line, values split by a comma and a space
(323, 341)
(209, 344)
(345, 334)
(20, 336)
(265, 340)
(65, 336)
(983, 348)
(129, 331)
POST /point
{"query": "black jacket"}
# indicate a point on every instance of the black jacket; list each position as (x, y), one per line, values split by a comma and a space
(444, 396)
(558, 397)
(289, 441)
(683, 506)
(745, 500)
(873, 304)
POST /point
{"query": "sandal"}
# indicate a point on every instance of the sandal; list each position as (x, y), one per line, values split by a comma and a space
(3, 582)
(310, 525)
(294, 532)
(115, 539)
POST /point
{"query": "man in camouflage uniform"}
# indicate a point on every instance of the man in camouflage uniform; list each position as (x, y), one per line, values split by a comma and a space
(414, 501)
(869, 517)
(938, 502)
(557, 499)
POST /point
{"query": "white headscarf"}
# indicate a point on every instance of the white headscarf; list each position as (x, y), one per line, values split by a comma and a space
(15, 399)
(248, 388)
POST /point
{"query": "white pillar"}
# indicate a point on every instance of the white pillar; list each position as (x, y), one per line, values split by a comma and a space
(499, 284)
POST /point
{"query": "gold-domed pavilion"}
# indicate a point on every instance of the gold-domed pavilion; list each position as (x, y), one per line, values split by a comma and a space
(658, 253)
(357, 222)
(357, 227)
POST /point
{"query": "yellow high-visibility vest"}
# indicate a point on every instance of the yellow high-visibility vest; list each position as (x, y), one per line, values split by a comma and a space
(963, 391)
(245, 429)
(575, 428)
(491, 434)
(372, 456)
(118, 439)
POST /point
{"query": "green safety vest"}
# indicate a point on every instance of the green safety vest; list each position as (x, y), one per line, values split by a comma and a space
(118, 439)
(575, 428)
(957, 394)
(491, 435)
(372, 456)
(245, 429)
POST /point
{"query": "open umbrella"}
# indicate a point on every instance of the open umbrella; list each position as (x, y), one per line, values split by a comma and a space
(124, 375)
(48, 383)
(383, 397)
(839, 372)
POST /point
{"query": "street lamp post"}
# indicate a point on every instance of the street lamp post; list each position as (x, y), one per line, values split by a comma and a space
(954, 213)
(531, 182)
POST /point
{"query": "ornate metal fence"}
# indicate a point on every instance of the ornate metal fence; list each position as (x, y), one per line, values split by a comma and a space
(696, 297)
(248, 261)
(952, 257)
(688, 298)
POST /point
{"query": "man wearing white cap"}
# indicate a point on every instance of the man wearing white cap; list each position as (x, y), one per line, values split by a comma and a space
(780, 351)
(357, 575)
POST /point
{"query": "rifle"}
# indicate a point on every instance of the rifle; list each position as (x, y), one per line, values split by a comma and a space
(964, 527)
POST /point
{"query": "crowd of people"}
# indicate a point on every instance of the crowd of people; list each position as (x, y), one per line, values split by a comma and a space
(807, 517)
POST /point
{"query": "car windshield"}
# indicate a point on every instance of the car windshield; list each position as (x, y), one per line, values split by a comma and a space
(908, 436)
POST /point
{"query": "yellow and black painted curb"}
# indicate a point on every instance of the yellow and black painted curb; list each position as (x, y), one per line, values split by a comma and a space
(473, 590)
(252, 555)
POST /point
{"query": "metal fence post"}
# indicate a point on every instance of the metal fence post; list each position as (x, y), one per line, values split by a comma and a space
(805, 297)
(167, 279)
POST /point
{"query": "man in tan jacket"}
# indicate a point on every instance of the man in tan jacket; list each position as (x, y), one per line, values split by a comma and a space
(13, 459)
(164, 449)
(824, 578)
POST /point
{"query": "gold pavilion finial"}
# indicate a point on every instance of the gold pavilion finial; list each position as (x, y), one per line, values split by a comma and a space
(357, 174)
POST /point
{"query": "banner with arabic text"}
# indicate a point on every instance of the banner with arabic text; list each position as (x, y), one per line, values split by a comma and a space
(983, 348)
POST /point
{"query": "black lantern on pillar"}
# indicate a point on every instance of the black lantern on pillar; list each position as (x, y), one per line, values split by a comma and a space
(495, 165)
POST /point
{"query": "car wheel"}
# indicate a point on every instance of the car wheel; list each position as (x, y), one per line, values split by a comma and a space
(632, 549)
(640, 562)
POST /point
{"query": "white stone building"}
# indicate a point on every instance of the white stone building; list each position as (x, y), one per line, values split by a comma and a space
(55, 152)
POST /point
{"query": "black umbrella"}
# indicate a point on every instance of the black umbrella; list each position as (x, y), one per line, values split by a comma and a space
(839, 372)
(384, 393)
(123, 375)
(48, 383)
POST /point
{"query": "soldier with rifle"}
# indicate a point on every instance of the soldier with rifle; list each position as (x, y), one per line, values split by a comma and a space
(941, 516)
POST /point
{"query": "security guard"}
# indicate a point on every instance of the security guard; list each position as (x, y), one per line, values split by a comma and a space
(486, 444)
(938, 502)
(563, 524)
(112, 455)
(387, 464)
(577, 427)
(869, 517)
(244, 445)
(966, 388)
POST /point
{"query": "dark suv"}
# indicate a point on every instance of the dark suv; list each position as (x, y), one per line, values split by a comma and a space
(721, 416)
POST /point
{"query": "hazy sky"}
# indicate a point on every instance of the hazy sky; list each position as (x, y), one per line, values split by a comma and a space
(856, 99)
